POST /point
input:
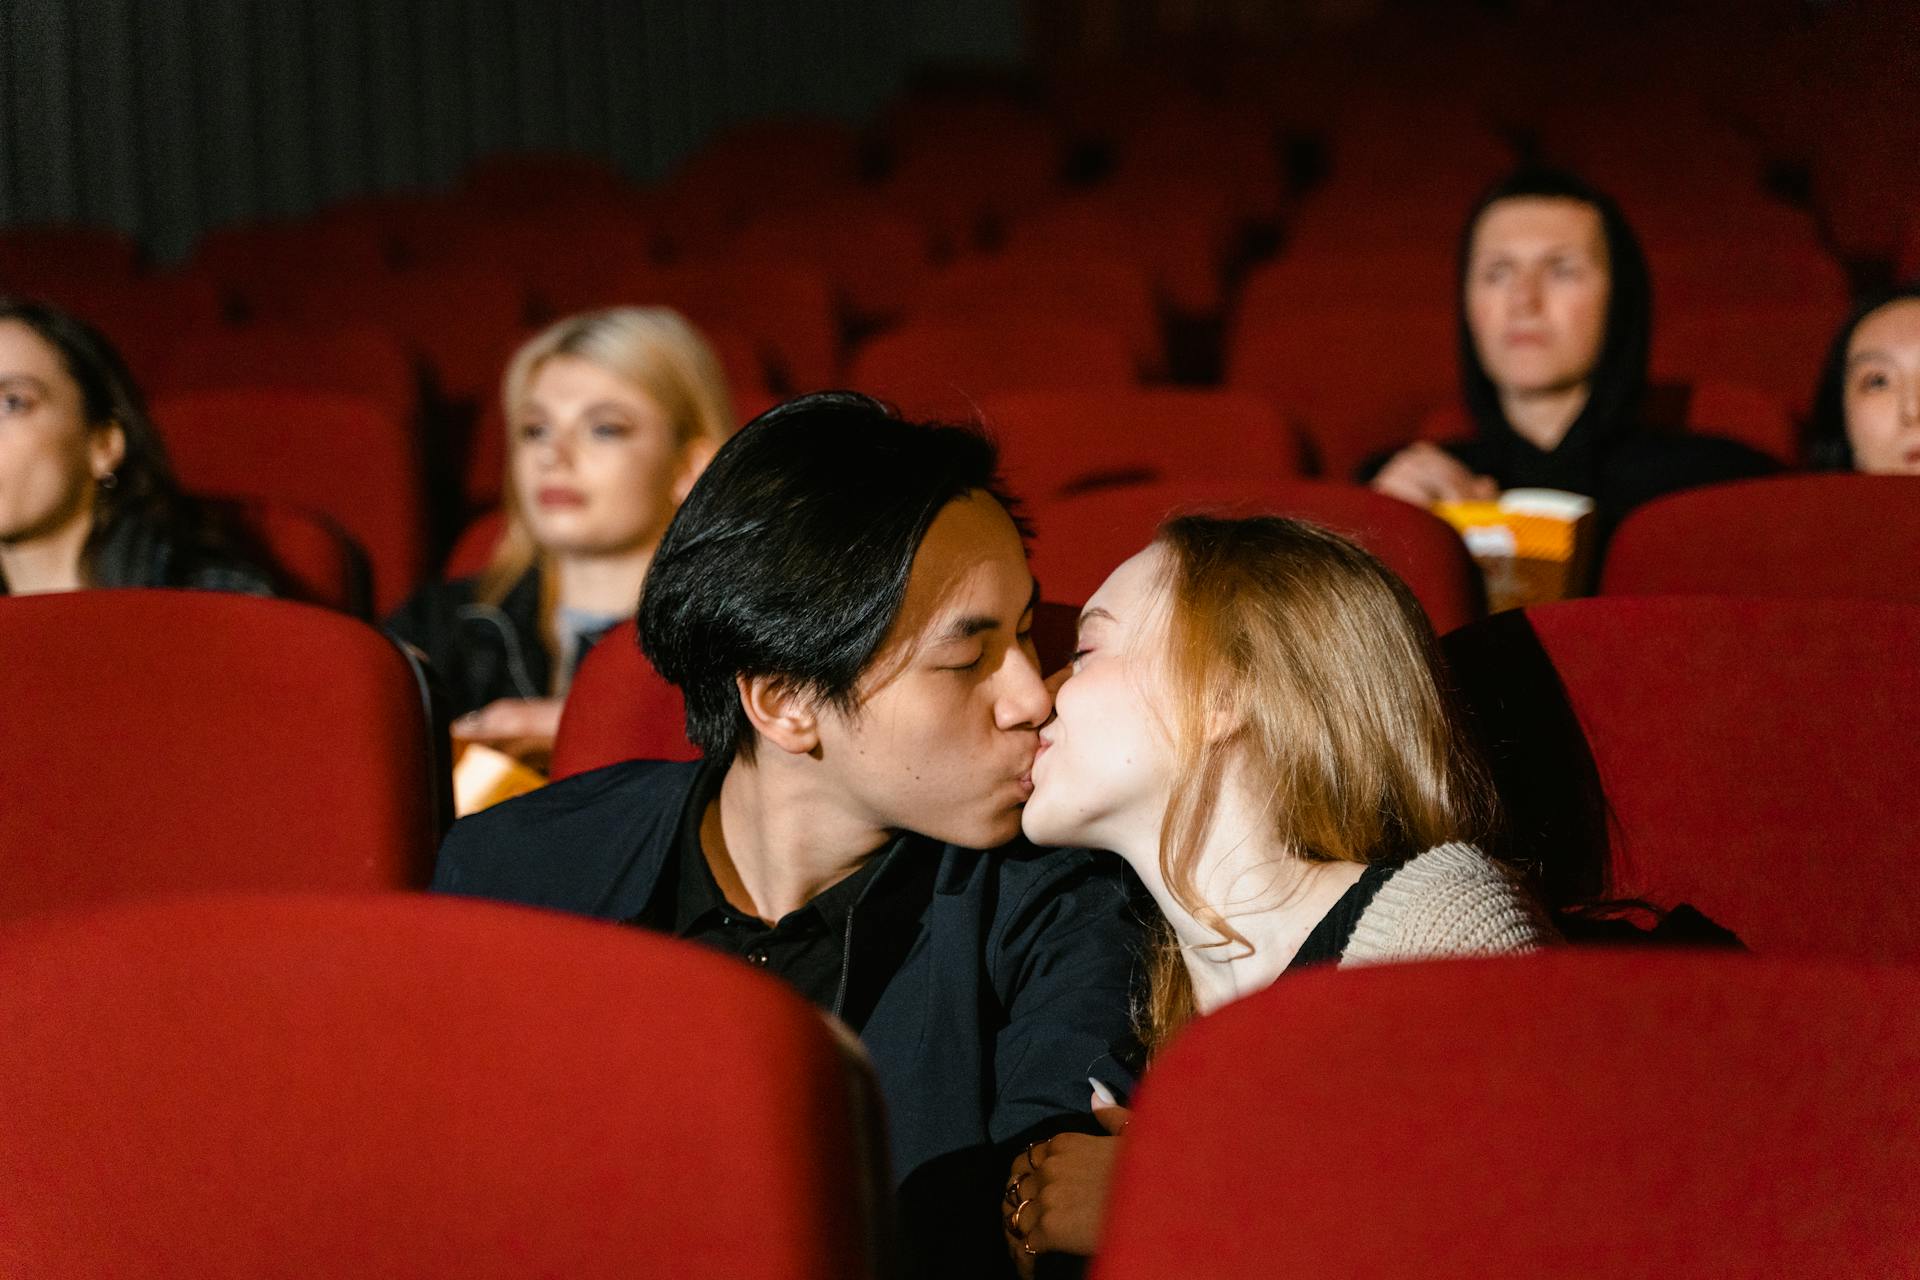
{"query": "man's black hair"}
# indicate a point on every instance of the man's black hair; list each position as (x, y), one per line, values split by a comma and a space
(791, 555)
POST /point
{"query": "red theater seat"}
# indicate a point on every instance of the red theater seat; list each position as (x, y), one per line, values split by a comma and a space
(268, 264)
(1049, 440)
(874, 257)
(358, 359)
(250, 1087)
(1080, 539)
(1356, 378)
(1611, 1116)
(141, 316)
(945, 370)
(1801, 536)
(474, 547)
(1029, 288)
(346, 456)
(170, 741)
(619, 708)
(313, 558)
(1775, 346)
(1752, 758)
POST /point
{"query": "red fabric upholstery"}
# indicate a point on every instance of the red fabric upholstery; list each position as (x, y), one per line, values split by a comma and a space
(1775, 346)
(313, 558)
(1756, 757)
(474, 547)
(1607, 1115)
(31, 257)
(874, 257)
(140, 316)
(944, 370)
(165, 741)
(1182, 232)
(267, 264)
(1045, 287)
(1802, 536)
(463, 321)
(410, 1086)
(346, 456)
(1325, 366)
(1049, 439)
(1080, 539)
(619, 708)
(358, 359)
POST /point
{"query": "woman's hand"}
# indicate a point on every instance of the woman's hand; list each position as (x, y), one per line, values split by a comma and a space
(1056, 1195)
(1423, 473)
(524, 728)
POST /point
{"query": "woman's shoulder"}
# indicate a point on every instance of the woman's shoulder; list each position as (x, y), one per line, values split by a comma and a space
(1451, 900)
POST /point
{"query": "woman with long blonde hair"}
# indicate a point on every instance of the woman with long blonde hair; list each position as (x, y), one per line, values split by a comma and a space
(611, 416)
(1254, 720)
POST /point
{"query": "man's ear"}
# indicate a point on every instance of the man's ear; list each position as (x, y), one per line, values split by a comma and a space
(694, 457)
(779, 713)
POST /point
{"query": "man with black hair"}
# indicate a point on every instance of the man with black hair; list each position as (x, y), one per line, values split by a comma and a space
(844, 602)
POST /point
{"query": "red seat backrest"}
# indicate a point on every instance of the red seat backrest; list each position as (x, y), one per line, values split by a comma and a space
(1806, 536)
(946, 370)
(1080, 539)
(1592, 1113)
(168, 741)
(359, 359)
(1753, 758)
(1051, 439)
(1085, 287)
(1328, 368)
(346, 456)
(619, 708)
(475, 545)
(313, 558)
(418, 1086)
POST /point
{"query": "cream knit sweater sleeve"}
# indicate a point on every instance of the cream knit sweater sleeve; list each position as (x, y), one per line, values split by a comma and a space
(1452, 900)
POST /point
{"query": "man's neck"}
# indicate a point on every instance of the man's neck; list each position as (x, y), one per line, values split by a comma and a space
(601, 584)
(50, 562)
(775, 841)
(1543, 418)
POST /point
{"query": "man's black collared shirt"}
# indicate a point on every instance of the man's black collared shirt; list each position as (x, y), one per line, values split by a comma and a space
(807, 947)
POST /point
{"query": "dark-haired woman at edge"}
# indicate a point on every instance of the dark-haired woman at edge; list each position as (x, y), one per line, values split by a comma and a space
(87, 498)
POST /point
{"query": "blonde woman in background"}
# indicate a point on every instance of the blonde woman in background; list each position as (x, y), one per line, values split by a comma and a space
(1254, 721)
(611, 416)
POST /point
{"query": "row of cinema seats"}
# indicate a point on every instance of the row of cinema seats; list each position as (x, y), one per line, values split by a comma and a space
(441, 1088)
(347, 362)
(1751, 757)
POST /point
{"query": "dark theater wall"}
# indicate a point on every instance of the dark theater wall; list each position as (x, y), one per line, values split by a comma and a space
(165, 117)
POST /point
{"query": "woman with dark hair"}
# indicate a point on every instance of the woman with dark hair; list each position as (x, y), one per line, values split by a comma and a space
(1866, 411)
(1254, 721)
(1555, 318)
(87, 498)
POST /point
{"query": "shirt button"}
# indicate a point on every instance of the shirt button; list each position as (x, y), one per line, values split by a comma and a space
(757, 956)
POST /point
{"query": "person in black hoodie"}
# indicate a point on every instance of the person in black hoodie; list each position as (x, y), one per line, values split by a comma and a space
(610, 417)
(1556, 317)
(87, 498)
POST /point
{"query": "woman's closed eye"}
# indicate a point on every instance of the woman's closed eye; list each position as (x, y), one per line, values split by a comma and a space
(611, 430)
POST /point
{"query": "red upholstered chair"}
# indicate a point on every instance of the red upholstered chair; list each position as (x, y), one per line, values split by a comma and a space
(474, 547)
(1752, 758)
(1051, 439)
(268, 264)
(1356, 377)
(1043, 285)
(945, 370)
(168, 741)
(140, 316)
(347, 456)
(873, 256)
(1802, 536)
(313, 559)
(619, 708)
(247, 1087)
(1775, 346)
(463, 321)
(1080, 539)
(359, 359)
(33, 257)
(1590, 1113)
